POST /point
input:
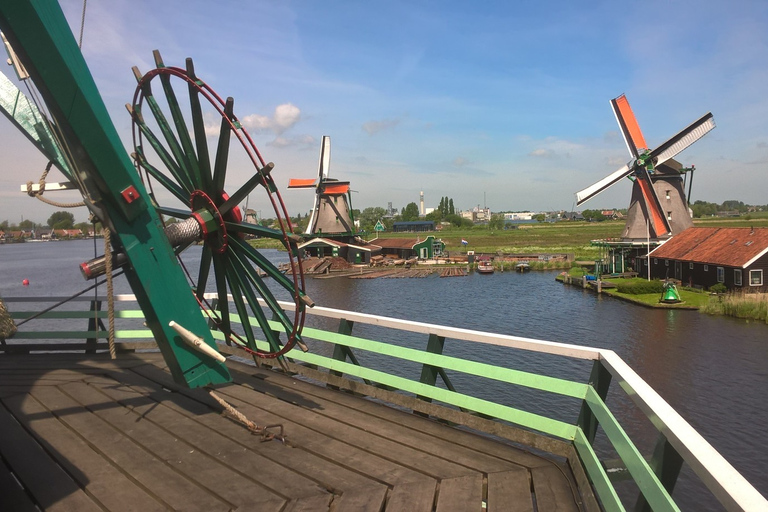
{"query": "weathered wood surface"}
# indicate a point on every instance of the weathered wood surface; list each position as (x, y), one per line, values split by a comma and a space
(87, 433)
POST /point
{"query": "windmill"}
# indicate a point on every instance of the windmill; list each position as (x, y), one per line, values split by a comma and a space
(331, 213)
(658, 207)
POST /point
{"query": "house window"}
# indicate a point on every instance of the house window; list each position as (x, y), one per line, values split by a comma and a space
(756, 277)
(720, 275)
(737, 277)
(669, 215)
(655, 261)
(706, 268)
(667, 194)
(690, 266)
(666, 263)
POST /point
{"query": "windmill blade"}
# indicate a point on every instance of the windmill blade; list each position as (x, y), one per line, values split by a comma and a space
(656, 215)
(683, 139)
(325, 159)
(334, 187)
(301, 183)
(633, 137)
(603, 184)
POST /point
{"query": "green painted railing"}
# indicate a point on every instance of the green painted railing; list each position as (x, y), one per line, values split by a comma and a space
(654, 476)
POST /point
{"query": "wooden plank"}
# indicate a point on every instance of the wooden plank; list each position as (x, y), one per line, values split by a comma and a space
(477, 443)
(462, 494)
(412, 497)
(313, 442)
(310, 504)
(510, 491)
(336, 429)
(148, 470)
(12, 495)
(361, 500)
(51, 486)
(553, 490)
(274, 477)
(227, 485)
(202, 408)
(96, 475)
(386, 428)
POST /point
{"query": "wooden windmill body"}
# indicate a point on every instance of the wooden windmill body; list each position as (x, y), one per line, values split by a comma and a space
(331, 212)
(658, 208)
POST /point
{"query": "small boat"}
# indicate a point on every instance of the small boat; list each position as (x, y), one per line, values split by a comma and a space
(485, 266)
(522, 267)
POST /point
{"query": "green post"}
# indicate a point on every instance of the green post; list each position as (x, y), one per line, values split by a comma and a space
(600, 379)
(666, 463)
(340, 352)
(41, 37)
(94, 324)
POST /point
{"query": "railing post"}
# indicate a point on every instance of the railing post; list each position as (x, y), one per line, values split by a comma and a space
(94, 324)
(340, 352)
(600, 379)
(666, 463)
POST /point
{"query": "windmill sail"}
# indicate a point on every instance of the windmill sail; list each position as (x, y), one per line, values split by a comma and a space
(633, 137)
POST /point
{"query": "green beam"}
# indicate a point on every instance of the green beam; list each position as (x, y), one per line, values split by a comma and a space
(38, 31)
(653, 491)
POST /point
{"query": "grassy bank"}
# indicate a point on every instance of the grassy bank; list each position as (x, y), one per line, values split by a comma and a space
(751, 306)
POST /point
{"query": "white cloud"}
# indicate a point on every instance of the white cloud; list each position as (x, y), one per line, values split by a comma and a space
(284, 118)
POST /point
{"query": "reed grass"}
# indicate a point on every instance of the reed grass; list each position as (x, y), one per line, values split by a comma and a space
(751, 306)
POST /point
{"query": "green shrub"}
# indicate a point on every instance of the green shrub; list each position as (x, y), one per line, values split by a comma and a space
(718, 288)
(640, 287)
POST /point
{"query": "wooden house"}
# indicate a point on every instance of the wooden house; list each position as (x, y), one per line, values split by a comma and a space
(406, 248)
(353, 253)
(703, 257)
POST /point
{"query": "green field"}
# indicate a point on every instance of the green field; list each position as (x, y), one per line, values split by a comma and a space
(558, 237)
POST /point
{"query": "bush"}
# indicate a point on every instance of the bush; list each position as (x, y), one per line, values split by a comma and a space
(640, 287)
(718, 288)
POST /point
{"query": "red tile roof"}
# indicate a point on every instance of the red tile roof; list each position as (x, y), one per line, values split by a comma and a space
(732, 247)
(395, 243)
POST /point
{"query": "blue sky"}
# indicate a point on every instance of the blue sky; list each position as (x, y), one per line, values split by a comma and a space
(497, 103)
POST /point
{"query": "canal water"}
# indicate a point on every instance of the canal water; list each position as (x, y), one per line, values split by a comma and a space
(712, 370)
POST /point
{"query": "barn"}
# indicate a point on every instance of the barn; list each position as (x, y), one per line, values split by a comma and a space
(703, 257)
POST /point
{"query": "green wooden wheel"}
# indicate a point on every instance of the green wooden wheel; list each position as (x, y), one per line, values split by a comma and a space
(176, 167)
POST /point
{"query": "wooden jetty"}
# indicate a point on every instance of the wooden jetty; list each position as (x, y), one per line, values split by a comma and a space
(82, 431)
(90, 433)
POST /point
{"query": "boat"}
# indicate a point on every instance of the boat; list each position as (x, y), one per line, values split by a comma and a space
(485, 266)
(522, 267)
(163, 409)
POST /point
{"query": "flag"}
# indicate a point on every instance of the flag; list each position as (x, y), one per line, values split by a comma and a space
(464, 242)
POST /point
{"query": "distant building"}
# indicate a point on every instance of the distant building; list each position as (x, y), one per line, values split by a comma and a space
(353, 253)
(405, 248)
(735, 257)
(413, 226)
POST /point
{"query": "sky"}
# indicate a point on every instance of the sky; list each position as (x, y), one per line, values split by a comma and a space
(497, 104)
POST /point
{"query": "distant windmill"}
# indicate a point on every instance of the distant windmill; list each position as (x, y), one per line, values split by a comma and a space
(658, 207)
(331, 213)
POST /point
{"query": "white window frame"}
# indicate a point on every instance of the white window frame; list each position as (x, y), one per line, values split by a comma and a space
(706, 268)
(666, 263)
(757, 271)
(690, 266)
(737, 277)
(720, 275)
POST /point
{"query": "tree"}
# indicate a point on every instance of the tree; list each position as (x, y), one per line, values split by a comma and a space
(451, 211)
(61, 220)
(27, 224)
(496, 222)
(539, 217)
(370, 216)
(410, 212)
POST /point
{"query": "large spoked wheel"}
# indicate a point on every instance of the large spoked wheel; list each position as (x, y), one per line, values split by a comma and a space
(168, 153)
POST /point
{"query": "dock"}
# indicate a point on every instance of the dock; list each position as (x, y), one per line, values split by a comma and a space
(84, 432)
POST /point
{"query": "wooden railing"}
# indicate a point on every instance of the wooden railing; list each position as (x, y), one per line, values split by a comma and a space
(346, 365)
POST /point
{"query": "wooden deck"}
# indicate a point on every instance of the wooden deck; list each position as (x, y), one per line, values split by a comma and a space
(87, 433)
